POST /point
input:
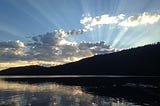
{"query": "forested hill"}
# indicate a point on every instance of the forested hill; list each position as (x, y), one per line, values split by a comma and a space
(136, 61)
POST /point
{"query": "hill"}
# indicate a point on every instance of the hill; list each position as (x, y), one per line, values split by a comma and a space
(136, 61)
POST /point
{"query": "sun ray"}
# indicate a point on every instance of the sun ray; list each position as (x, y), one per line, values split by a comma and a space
(11, 30)
(147, 36)
(86, 13)
(137, 35)
(110, 33)
(43, 12)
(119, 37)
(28, 12)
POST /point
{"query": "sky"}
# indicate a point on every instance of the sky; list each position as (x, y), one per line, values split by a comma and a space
(53, 32)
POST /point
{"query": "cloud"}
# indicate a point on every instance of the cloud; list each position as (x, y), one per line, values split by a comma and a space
(90, 22)
(120, 20)
(141, 19)
(11, 50)
(49, 47)
(62, 33)
(52, 46)
(47, 39)
(12, 44)
(56, 37)
(97, 48)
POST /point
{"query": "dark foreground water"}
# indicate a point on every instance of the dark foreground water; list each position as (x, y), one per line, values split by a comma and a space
(80, 91)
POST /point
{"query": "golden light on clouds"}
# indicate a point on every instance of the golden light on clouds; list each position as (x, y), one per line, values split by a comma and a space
(19, 63)
(5, 65)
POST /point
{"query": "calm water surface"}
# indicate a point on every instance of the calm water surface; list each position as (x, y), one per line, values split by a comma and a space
(49, 93)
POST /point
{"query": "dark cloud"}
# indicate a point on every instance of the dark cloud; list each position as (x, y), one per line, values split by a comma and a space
(12, 44)
(46, 39)
(75, 32)
(11, 50)
(96, 48)
(63, 33)
(54, 38)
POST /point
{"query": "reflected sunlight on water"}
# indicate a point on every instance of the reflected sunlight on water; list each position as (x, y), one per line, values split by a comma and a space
(51, 94)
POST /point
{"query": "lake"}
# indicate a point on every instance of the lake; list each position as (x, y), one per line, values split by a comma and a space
(79, 91)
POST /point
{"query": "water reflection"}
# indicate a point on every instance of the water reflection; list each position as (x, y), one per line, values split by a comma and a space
(52, 94)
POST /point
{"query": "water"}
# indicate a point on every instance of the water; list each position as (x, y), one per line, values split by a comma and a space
(79, 91)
